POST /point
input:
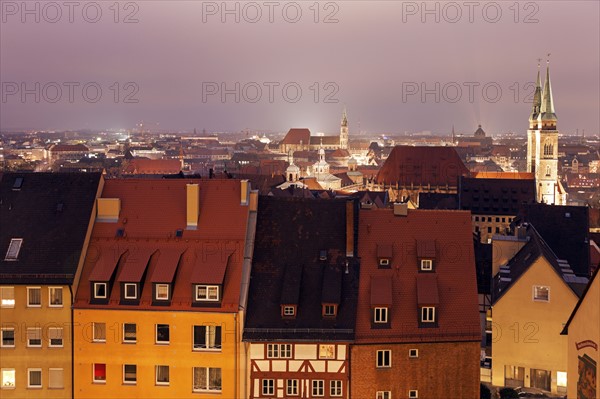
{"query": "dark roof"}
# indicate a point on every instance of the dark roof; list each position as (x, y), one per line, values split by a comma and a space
(495, 196)
(438, 201)
(51, 212)
(581, 299)
(292, 235)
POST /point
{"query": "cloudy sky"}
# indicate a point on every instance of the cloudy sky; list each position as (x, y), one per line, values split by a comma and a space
(396, 66)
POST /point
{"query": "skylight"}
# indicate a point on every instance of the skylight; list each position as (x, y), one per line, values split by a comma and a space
(13, 249)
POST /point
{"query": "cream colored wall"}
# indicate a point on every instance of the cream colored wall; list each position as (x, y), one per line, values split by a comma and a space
(584, 326)
(527, 333)
(503, 250)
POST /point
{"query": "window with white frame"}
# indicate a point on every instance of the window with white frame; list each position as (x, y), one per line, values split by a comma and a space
(380, 315)
(129, 333)
(207, 337)
(7, 297)
(130, 374)
(289, 310)
(56, 378)
(426, 265)
(268, 387)
(413, 393)
(162, 334)
(207, 379)
(162, 292)
(162, 375)
(99, 332)
(55, 337)
(130, 291)
(8, 337)
(34, 337)
(412, 353)
(100, 290)
(541, 293)
(318, 388)
(383, 395)
(291, 387)
(428, 314)
(99, 373)
(384, 262)
(384, 358)
(34, 378)
(13, 249)
(55, 297)
(34, 297)
(207, 293)
(7, 378)
(279, 351)
(335, 388)
(329, 310)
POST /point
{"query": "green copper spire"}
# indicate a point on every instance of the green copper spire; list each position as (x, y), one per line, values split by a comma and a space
(547, 110)
(537, 96)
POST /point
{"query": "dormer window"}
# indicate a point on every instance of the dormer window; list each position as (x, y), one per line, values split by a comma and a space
(384, 262)
(329, 310)
(130, 291)
(100, 290)
(288, 310)
(384, 255)
(209, 293)
(428, 314)
(380, 315)
(323, 254)
(161, 292)
(426, 265)
(13, 249)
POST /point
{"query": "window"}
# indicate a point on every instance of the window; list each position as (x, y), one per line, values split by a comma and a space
(55, 337)
(207, 293)
(326, 351)
(381, 315)
(99, 332)
(34, 337)
(7, 297)
(99, 370)
(426, 265)
(162, 333)
(384, 358)
(548, 170)
(289, 311)
(292, 387)
(268, 387)
(130, 291)
(207, 379)
(318, 387)
(413, 393)
(7, 378)
(13, 249)
(55, 379)
(514, 376)
(329, 310)
(275, 351)
(34, 297)
(335, 388)
(100, 290)
(541, 293)
(541, 379)
(477, 218)
(413, 353)
(428, 314)
(8, 338)
(34, 378)
(561, 379)
(55, 297)
(162, 292)
(162, 375)
(129, 374)
(384, 262)
(129, 332)
(383, 395)
(207, 337)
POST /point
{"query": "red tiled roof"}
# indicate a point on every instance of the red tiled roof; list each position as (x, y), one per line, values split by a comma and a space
(295, 135)
(427, 289)
(69, 148)
(209, 267)
(503, 175)
(135, 265)
(381, 291)
(457, 312)
(166, 265)
(426, 249)
(104, 261)
(385, 251)
(153, 166)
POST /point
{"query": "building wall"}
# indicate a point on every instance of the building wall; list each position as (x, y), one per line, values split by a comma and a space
(488, 225)
(146, 354)
(442, 370)
(22, 357)
(584, 327)
(526, 333)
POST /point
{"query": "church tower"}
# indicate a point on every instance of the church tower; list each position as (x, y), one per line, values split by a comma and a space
(533, 123)
(344, 131)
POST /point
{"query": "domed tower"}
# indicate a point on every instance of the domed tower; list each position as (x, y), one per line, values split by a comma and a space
(292, 172)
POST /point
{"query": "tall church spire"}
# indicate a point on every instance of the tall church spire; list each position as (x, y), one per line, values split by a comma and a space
(537, 97)
(344, 118)
(547, 111)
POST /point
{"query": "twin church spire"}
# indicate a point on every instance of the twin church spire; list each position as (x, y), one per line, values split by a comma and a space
(542, 113)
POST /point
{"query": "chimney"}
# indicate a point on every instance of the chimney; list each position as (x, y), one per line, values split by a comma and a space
(108, 210)
(350, 229)
(245, 192)
(400, 209)
(192, 206)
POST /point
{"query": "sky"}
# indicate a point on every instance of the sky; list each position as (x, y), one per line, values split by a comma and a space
(397, 66)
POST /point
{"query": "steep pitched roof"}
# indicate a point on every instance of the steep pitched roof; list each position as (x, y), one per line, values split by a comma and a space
(296, 135)
(51, 213)
(153, 167)
(580, 301)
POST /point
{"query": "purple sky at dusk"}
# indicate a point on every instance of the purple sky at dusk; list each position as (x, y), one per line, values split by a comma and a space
(371, 60)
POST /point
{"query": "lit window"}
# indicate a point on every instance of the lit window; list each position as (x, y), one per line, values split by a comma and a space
(34, 378)
(384, 262)
(129, 374)
(268, 387)
(129, 332)
(383, 395)
(8, 337)
(276, 351)
(162, 292)
(413, 393)
(329, 310)
(384, 358)
(207, 293)
(130, 291)
(207, 337)
(34, 297)
(207, 379)
(162, 334)
(55, 295)
(162, 375)
(335, 388)
(292, 387)
(56, 379)
(7, 297)
(55, 337)
(13, 249)
(289, 311)
(428, 314)
(99, 332)
(541, 293)
(413, 353)
(380, 315)
(318, 388)
(99, 370)
(7, 378)
(326, 351)
(34, 337)
(100, 290)
(426, 265)
(561, 378)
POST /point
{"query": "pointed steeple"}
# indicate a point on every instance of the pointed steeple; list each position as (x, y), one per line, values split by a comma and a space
(547, 110)
(344, 118)
(537, 96)
(453, 135)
